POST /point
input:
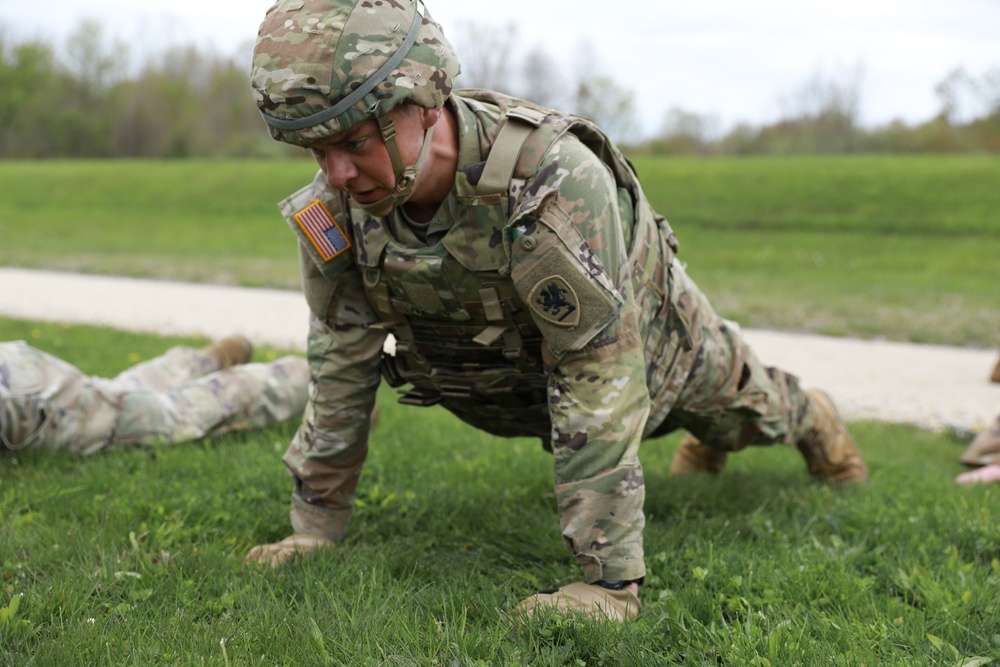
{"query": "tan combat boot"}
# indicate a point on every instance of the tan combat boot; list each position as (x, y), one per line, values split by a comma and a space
(996, 373)
(828, 448)
(590, 600)
(985, 448)
(230, 351)
(693, 456)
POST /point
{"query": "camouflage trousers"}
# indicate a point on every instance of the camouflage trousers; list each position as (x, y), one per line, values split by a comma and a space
(719, 391)
(180, 396)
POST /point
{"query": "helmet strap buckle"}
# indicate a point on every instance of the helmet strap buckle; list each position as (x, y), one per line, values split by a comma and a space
(406, 177)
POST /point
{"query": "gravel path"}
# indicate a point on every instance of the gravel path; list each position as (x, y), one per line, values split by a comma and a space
(928, 385)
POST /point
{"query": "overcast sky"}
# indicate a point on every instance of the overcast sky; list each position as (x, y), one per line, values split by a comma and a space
(733, 59)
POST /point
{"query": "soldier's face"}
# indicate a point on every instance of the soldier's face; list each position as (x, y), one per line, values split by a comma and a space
(357, 160)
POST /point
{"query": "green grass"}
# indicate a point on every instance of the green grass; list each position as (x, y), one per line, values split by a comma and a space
(901, 247)
(927, 195)
(134, 557)
(210, 221)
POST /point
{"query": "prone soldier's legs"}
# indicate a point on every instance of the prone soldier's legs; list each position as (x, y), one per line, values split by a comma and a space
(237, 398)
(183, 364)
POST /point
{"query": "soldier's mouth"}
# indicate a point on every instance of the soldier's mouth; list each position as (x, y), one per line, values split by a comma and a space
(366, 197)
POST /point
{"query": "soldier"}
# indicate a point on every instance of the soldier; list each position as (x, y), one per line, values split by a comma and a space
(984, 451)
(183, 395)
(530, 287)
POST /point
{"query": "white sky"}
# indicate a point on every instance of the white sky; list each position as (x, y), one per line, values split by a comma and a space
(733, 59)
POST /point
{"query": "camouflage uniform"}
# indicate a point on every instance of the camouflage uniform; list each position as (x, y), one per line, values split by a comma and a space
(46, 402)
(543, 299)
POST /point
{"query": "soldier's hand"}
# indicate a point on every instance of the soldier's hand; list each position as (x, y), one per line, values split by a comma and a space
(285, 551)
(591, 600)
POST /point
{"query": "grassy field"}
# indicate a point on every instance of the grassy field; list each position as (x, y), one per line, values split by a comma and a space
(905, 248)
(134, 557)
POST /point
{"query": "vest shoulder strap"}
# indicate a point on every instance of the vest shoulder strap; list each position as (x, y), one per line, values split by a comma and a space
(526, 133)
(519, 123)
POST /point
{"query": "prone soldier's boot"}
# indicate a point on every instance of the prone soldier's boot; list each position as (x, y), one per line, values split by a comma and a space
(996, 373)
(985, 447)
(830, 453)
(230, 351)
(694, 456)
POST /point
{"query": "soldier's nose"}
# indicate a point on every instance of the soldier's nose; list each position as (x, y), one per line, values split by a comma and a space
(339, 170)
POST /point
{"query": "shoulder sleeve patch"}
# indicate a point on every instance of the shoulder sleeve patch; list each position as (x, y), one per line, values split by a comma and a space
(569, 300)
(322, 230)
(554, 300)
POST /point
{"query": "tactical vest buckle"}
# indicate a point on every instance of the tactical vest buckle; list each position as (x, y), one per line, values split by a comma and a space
(514, 353)
(371, 276)
(527, 114)
(420, 398)
(390, 371)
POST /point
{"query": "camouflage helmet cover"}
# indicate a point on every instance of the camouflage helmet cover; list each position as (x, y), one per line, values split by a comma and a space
(311, 55)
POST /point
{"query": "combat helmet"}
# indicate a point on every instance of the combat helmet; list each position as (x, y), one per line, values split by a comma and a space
(322, 66)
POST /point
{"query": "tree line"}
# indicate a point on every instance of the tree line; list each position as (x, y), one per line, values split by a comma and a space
(86, 99)
(89, 102)
(822, 117)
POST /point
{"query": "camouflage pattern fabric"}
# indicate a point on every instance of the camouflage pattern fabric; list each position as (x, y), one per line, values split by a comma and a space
(626, 346)
(297, 47)
(47, 403)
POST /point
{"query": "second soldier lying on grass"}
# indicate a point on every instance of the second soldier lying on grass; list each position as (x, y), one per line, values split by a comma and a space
(183, 395)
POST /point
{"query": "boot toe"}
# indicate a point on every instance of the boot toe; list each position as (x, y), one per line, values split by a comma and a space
(830, 452)
(693, 456)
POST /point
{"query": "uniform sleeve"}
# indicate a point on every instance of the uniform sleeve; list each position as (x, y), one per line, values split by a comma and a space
(598, 396)
(329, 449)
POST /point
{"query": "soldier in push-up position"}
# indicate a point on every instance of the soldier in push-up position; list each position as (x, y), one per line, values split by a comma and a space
(530, 286)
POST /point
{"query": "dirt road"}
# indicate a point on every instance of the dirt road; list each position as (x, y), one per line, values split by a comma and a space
(928, 385)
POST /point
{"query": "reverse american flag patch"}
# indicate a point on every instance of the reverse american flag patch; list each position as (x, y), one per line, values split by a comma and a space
(325, 233)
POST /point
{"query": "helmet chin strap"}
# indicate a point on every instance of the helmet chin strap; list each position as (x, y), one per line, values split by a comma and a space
(406, 176)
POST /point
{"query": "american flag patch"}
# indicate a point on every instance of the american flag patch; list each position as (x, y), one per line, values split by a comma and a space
(324, 232)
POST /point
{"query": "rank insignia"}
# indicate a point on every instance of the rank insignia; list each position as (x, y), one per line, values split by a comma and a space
(323, 231)
(555, 301)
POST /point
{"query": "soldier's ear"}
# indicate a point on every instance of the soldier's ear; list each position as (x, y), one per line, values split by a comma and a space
(430, 117)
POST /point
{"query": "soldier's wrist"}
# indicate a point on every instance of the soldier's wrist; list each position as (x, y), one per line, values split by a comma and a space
(309, 519)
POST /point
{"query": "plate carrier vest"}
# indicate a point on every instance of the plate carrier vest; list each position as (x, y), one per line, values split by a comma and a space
(464, 337)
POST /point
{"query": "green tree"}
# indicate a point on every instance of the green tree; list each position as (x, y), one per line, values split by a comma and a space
(821, 115)
(30, 80)
(95, 65)
(685, 132)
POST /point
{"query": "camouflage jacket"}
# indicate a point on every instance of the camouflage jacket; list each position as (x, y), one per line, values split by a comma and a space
(539, 307)
(47, 402)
